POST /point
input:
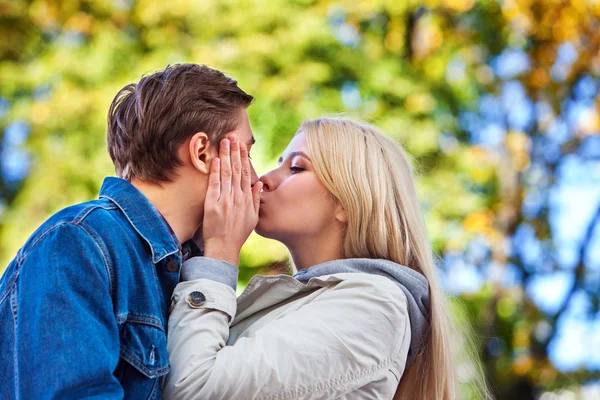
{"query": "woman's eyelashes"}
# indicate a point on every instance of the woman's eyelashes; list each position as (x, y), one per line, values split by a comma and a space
(295, 169)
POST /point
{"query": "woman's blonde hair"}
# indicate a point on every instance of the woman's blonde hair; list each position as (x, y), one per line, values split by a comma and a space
(370, 175)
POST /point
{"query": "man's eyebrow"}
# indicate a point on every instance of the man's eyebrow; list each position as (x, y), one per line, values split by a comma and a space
(294, 154)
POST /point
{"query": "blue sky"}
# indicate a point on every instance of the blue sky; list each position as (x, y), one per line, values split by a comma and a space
(571, 201)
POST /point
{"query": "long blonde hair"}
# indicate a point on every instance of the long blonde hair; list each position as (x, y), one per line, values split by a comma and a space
(370, 175)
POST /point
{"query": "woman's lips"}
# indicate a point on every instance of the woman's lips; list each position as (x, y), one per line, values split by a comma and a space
(262, 205)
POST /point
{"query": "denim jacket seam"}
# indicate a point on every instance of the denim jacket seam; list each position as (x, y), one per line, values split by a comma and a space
(103, 251)
(155, 385)
(56, 226)
(10, 285)
(42, 235)
(22, 255)
(141, 319)
(157, 285)
(15, 309)
(78, 219)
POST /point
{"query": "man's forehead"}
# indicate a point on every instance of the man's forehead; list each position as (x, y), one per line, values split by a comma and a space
(248, 139)
(245, 135)
(244, 131)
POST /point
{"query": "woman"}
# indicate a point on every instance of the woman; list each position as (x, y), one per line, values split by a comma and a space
(364, 316)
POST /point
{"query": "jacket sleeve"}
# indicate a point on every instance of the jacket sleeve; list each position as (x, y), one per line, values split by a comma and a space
(324, 349)
(67, 338)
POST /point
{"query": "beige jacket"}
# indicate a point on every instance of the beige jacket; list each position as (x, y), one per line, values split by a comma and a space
(341, 336)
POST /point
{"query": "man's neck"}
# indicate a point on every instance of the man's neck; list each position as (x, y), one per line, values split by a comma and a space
(173, 202)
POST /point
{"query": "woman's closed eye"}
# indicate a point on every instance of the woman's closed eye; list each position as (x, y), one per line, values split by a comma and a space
(295, 169)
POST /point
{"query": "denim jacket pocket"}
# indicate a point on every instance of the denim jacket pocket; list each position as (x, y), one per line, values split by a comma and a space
(145, 348)
(144, 360)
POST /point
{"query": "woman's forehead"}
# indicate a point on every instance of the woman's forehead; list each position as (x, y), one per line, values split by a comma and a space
(298, 143)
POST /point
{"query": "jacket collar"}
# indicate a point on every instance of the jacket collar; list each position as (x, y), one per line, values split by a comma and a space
(142, 215)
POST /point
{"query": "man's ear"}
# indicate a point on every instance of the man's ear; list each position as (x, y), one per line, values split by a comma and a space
(199, 149)
(340, 214)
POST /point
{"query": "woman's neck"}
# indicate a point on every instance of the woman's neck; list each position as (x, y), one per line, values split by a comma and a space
(307, 252)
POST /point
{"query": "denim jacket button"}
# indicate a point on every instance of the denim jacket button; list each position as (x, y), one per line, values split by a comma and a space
(172, 266)
(196, 299)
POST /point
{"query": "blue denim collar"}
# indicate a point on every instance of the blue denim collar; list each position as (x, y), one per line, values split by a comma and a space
(142, 215)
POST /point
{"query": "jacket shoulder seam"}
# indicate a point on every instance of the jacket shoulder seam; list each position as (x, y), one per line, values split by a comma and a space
(75, 221)
(83, 214)
(103, 251)
(59, 225)
(10, 286)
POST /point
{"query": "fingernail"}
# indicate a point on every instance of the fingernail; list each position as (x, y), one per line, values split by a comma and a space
(225, 143)
(234, 139)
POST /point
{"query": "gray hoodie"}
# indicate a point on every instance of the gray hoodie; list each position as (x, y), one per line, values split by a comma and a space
(413, 284)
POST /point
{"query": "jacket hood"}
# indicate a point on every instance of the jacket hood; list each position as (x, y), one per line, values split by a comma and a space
(413, 285)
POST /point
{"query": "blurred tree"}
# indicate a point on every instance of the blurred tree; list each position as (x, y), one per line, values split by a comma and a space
(496, 101)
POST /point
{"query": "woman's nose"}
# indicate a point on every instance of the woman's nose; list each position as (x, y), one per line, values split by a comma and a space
(268, 182)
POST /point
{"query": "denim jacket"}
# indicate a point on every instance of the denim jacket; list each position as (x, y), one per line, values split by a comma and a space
(83, 305)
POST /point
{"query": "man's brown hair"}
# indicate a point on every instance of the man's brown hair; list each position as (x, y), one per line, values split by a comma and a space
(150, 120)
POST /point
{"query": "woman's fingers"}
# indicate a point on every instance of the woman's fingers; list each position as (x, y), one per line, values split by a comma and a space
(226, 172)
(256, 197)
(236, 164)
(246, 169)
(214, 183)
(233, 204)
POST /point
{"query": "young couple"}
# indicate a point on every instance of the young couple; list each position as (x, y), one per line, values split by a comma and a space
(113, 299)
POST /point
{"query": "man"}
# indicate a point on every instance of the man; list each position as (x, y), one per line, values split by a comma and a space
(83, 305)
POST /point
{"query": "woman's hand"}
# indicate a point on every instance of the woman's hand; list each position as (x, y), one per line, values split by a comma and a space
(231, 205)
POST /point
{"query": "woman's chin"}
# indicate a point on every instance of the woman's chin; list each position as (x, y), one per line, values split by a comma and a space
(261, 230)
(266, 231)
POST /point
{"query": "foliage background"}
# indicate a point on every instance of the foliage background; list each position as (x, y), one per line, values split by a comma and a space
(497, 101)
